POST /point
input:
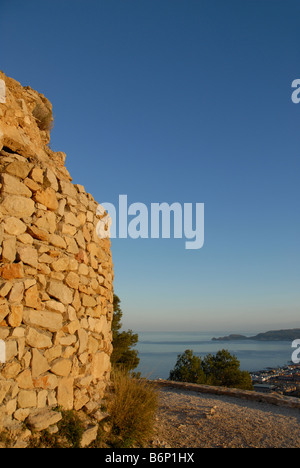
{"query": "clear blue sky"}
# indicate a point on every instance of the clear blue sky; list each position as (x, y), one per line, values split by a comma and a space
(179, 101)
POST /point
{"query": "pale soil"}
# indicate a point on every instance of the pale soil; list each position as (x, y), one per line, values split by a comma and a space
(184, 420)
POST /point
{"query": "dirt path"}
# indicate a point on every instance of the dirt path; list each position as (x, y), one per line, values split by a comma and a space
(188, 419)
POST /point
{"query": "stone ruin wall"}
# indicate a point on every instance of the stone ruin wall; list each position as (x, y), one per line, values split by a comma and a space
(56, 275)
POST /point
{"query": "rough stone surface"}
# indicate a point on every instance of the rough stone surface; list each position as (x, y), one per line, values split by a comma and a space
(56, 274)
(89, 436)
(41, 419)
(61, 292)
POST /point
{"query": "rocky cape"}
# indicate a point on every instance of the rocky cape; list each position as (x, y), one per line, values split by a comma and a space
(273, 335)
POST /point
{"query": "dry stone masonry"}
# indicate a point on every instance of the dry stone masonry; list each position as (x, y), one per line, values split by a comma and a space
(56, 275)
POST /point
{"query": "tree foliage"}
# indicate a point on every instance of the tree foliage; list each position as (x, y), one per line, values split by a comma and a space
(188, 368)
(123, 356)
(222, 369)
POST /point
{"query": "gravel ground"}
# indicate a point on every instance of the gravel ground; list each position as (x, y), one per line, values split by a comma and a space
(187, 419)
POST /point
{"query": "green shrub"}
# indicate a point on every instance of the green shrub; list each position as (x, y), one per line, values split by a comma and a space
(71, 428)
(222, 369)
(188, 368)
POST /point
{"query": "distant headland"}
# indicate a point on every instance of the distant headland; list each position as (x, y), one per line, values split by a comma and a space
(273, 335)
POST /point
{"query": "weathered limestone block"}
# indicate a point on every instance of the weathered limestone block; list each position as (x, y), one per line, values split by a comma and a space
(68, 189)
(50, 180)
(12, 185)
(57, 241)
(24, 380)
(5, 288)
(16, 293)
(27, 399)
(100, 365)
(81, 398)
(61, 264)
(41, 419)
(47, 221)
(11, 349)
(70, 218)
(17, 206)
(16, 315)
(14, 226)
(44, 319)
(32, 298)
(65, 393)
(61, 367)
(39, 363)
(28, 255)
(55, 306)
(19, 169)
(12, 271)
(60, 292)
(36, 339)
(9, 250)
(89, 436)
(72, 280)
(47, 198)
(47, 381)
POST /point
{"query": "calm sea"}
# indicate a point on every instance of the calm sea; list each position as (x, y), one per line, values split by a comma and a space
(158, 351)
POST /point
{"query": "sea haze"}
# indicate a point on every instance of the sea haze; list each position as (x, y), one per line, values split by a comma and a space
(158, 351)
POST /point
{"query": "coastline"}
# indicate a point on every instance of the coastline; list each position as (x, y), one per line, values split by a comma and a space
(158, 351)
(289, 334)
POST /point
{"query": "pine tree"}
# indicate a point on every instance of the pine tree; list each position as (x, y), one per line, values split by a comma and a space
(123, 356)
(222, 369)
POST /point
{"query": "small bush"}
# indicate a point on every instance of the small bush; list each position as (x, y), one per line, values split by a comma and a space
(71, 428)
(132, 404)
(222, 369)
(43, 117)
(6, 439)
(188, 368)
